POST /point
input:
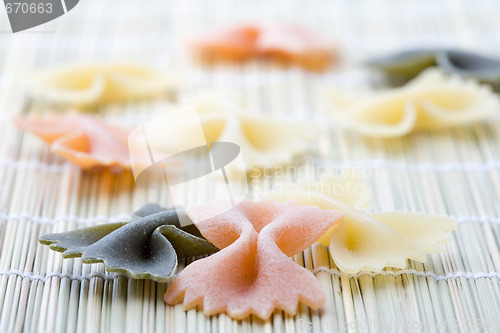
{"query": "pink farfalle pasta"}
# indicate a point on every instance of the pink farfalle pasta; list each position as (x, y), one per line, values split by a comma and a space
(82, 139)
(253, 274)
(286, 43)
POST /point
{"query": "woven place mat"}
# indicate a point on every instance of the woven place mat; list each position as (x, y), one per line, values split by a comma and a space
(454, 172)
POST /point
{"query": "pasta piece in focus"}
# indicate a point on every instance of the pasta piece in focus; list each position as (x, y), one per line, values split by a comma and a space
(154, 240)
(370, 242)
(85, 85)
(247, 275)
(432, 100)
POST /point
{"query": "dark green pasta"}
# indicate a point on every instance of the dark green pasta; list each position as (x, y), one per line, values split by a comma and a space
(405, 65)
(147, 247)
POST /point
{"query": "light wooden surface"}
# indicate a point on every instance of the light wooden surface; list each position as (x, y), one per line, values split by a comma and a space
(454, 172)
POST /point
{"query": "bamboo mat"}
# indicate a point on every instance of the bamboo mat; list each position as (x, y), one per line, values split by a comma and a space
(454, 172)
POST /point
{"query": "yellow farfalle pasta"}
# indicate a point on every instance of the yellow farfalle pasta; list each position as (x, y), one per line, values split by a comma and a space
(370, 242)
(263, 140)
(85, 85)
(432, 100)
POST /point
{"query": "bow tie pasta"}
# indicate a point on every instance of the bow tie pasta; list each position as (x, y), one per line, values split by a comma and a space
(288, 44)
(85, 85)
(263, 140)
(370, 242)
(83, 139)
(246, 276)
(155, 242)
(432, 100)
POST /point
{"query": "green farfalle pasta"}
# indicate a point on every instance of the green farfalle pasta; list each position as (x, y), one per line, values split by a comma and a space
(407, 64)
(147, 247)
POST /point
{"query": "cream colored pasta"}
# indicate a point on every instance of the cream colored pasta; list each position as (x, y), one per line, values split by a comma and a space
(432, 100)
(370, 242)
(100, 83)
(263, 140)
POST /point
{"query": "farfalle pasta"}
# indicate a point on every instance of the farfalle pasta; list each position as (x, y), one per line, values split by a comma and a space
(85, 85)
(154, 242)
(82, 139)
(287, 43)
(246, 276)
(370, 242)
(432, 100)
(263, 140)
(408, 63)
